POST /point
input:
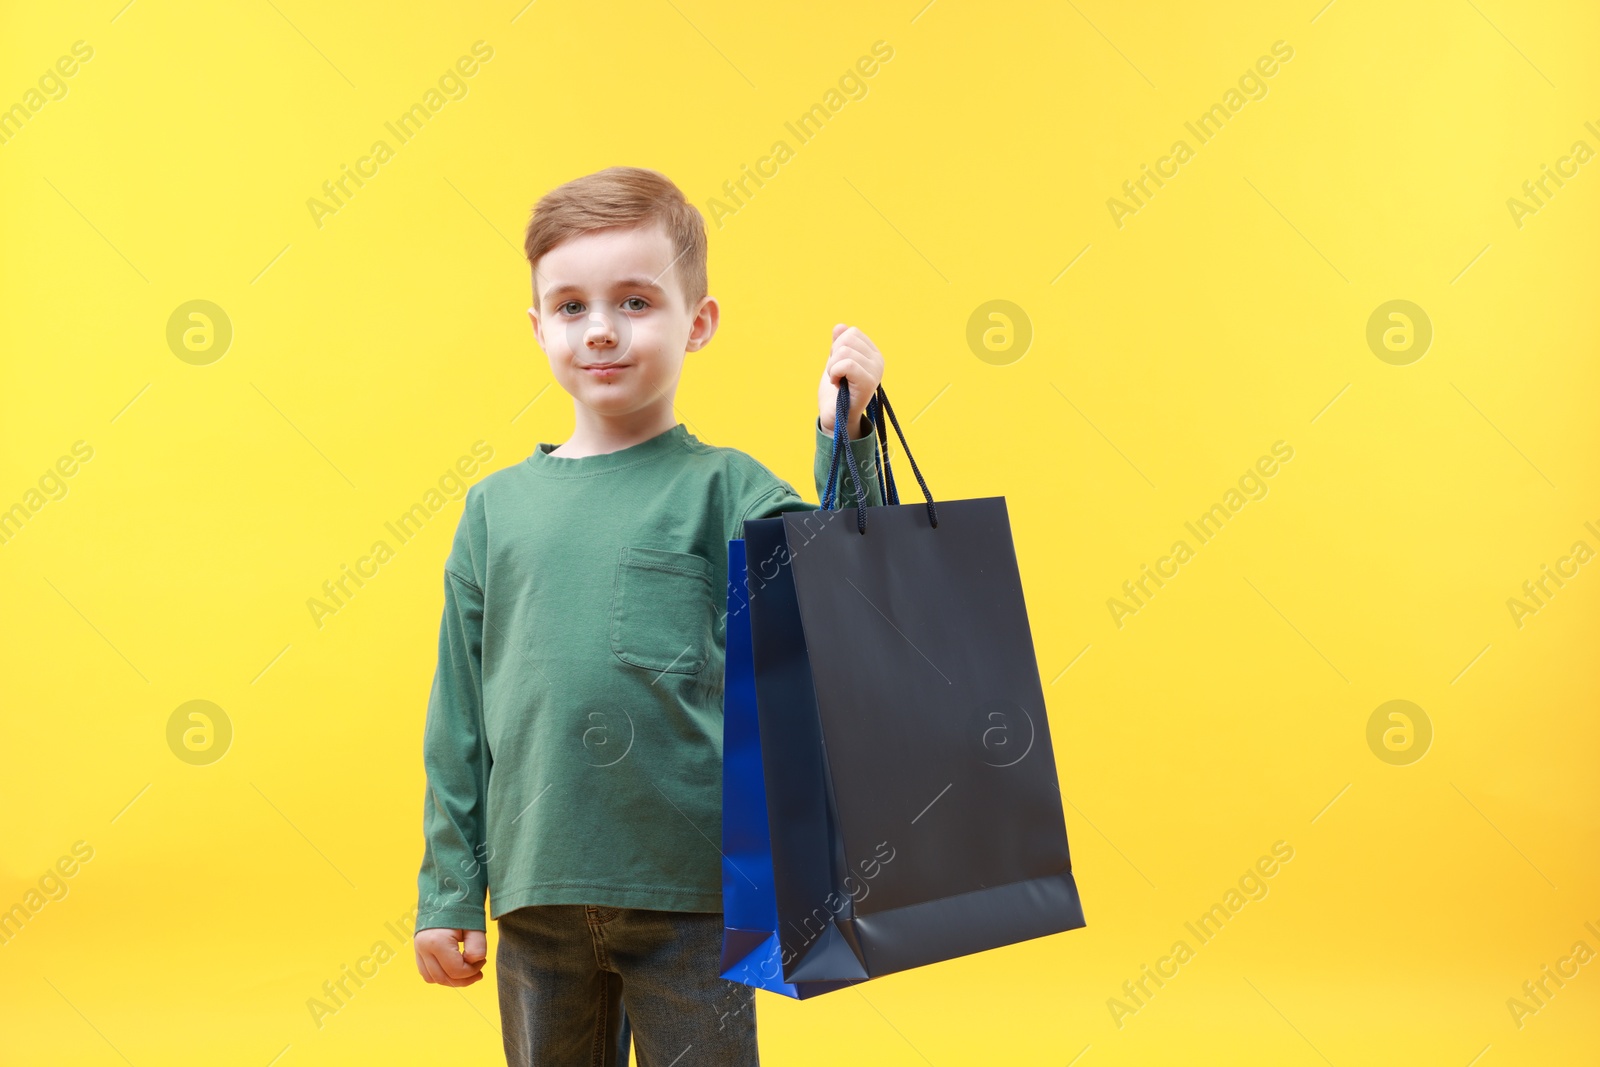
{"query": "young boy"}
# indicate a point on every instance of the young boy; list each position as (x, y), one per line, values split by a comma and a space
(573, 745)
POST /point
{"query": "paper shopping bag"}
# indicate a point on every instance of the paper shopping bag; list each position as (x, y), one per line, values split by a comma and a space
(905, 807)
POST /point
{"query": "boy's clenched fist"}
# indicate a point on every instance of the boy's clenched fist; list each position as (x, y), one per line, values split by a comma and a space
(855, 358)
(451, 957)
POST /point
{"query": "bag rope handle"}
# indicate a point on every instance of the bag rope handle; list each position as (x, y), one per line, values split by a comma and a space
(876, 408)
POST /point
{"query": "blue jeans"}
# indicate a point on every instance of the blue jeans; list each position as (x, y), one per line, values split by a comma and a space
(577, 980)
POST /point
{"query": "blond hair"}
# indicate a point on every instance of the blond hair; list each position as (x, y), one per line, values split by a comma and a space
(622, 196)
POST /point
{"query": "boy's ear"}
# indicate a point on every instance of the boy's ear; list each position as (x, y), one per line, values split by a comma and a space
(533, 317)
(704, 326)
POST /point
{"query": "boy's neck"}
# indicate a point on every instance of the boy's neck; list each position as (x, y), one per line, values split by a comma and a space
(594, 434)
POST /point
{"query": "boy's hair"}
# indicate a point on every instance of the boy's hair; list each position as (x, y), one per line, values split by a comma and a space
(622, 196)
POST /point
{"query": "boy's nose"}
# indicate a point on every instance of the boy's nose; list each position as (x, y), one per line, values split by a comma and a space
(599, 333)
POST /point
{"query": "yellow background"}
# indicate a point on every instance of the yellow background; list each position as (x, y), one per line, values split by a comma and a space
(1229, 313)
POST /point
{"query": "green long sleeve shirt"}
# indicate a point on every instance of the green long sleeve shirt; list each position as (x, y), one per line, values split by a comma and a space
(573, 744)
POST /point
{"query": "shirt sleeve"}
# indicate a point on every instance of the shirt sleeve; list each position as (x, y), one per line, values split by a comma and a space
(782, 497)
(454, 880)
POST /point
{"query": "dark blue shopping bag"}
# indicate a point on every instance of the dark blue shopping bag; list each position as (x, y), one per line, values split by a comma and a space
(890, 797)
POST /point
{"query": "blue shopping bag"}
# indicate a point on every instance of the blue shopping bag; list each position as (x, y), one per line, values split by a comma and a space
(751, 950)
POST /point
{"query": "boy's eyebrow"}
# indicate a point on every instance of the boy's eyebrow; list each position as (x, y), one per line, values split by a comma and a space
(634, 282)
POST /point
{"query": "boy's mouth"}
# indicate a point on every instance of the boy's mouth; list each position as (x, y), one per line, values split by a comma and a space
(605, 370)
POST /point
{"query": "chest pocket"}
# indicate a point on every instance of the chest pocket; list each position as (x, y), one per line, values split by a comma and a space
(661, 610)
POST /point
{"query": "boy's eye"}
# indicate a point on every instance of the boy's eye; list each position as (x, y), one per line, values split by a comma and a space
(632, 303)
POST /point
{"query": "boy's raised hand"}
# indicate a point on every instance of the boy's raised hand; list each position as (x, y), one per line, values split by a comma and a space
(855, 358)
(439, 959)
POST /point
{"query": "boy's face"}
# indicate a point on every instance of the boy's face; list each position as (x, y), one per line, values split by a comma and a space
(612, 319)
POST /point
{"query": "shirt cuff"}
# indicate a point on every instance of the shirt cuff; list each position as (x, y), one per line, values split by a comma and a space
(865, 450)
